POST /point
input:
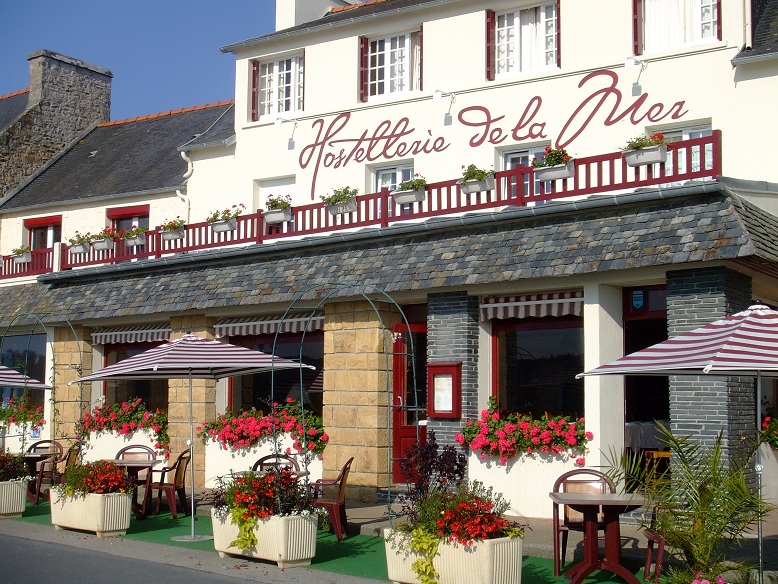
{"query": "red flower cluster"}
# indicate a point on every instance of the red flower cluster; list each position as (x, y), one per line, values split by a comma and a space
(552, 157)
(257, 495)
(102, 476)
(248, 428)
(125, 418)
(505, 435)
(16, 410)
(471, 520)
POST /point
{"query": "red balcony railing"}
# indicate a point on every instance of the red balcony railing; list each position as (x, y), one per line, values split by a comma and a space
(699, 158)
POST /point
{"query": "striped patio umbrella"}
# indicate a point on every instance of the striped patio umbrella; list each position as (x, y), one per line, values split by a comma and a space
(193, 357)
(12, 378)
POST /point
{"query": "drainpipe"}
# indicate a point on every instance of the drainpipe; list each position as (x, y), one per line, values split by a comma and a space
(179, 193)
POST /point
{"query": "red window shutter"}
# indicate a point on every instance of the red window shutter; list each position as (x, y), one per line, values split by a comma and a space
(558, 35)
(718, 19)
(637, 27)
(421, 57)
(254, 91)
(364, 49)
(302, 97)
(127, 212)
(42, 221)
(490, 24)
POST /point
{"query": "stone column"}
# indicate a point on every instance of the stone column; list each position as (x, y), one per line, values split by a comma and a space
(72, 356)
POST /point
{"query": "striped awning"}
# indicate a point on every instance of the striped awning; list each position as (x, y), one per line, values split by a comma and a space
(131, 334)
(533, 305)
(268, 325)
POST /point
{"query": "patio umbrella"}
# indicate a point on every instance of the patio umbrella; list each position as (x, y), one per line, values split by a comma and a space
(742, 345)
(193, 357)
(12, 378)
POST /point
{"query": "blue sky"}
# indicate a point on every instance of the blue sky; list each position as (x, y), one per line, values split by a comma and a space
(164, 54)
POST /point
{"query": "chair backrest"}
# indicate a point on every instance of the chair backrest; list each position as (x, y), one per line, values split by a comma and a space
(46, 446)
(581, 480)
(341, 480)
(181, 464)
(136, 452)
(276, 461)
(73, 455)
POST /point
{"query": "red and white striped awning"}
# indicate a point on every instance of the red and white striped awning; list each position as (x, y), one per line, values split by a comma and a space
(533, 305)
(268, 325)
(131, 334)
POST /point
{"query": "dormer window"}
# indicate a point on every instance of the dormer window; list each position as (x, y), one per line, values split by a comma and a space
(277, 86)
(390, 65)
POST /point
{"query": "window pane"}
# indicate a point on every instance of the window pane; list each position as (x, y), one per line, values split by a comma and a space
(154, 393)
(525, 40)
(25, 354)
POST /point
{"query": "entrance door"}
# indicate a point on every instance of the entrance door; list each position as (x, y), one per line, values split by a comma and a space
(409, 406)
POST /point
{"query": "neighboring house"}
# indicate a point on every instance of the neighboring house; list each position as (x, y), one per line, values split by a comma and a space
(511, 291)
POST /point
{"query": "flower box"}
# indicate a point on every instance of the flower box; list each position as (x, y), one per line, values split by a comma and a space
(289, 540)
(647, 155)
(13, 498)
(492, 561)
(174, 234)
(277, 216)
(558, 171)
(224, 226)
(104, 445)
(477, 186)
(139, 239)
(410, 196)
(23, 258)
(106, 515)
(103, 244)
(79, 248)
(342, 208)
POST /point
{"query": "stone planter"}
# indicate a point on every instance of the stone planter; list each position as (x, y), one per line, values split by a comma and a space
(23, 258)
(13, 498)
(648, 155)
(173, 235)
(289, 541)
(477, 186)
(405, 197)
(224, 226)
(103, 244)
(277, 216)
(105, 445)
(139, 239)
(105, 515)
(566, 170)
(342, 208)
(492, 561)
(79, 248)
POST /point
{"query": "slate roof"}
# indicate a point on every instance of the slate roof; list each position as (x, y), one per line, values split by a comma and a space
(127, 156)
(765, 33)
(670, 227)
(222, 132)
(12, 106)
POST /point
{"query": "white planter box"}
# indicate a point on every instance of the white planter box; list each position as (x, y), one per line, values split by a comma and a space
(220, 463)
(525, 481)
(492, 561)
(342, 208)
(173, 235)
(13, 498)
(555, 172)
(23, 258)
(134, 241)
(103, 244)
(289, 541)
(405, 197)
(105, 445)
(79, 248)
(477, 186)
(222, 226)
(649, 155)
(105, 515)
(277, 216)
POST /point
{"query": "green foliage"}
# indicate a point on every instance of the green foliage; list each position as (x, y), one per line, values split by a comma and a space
(17, 410)
(12, 467)
(472, 172)
(640, 142)
(425, 544)
(417, 183)
(21, 250)
(341, 195)
(552, 157)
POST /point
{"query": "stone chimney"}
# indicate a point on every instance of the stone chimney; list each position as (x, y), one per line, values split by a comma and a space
(66, 97)
(290, 13)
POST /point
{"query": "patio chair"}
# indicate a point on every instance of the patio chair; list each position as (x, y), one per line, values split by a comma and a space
(335, 506)
(43, 468)
(580, 480)
(654, 537)
(137, 452)
(178, 484)
(276, 461)
(72, 458)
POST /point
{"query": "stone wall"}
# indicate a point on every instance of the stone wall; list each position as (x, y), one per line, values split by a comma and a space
(72, 357)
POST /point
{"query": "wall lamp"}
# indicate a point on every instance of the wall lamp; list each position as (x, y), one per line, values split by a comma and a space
(437, 96)
(629, 63)
(279, 121)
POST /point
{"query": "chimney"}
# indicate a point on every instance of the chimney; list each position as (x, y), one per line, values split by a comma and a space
(290, 13)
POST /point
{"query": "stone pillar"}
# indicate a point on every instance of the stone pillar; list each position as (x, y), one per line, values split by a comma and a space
(357, 383)
(72, 356)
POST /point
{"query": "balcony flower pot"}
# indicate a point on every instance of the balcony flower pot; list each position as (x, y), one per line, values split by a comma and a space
(106, 515)
(79, 248)
(647, 155)
(135, 240)
(555, 172)
(408, 196)
(103, 244)
(477, 186)
(277, 216)
(224, 226)
(342, 208)
(13, 498)
(491, 561)
(177, 233)
(23, 258)
(287, 540)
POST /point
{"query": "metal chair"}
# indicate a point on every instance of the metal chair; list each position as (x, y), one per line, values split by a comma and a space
(657, 559)
(336, 505)
(276, 461)
(43, 468)
(178, 484)
(137, 452)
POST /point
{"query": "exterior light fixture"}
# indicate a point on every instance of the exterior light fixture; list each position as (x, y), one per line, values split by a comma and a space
(629, 63)
(437, 95)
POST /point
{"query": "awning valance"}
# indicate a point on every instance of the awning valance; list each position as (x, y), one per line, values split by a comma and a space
(533, 305)
(268, 325)
(131, 334)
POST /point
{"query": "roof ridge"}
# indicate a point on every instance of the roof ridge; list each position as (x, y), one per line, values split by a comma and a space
(336, 9)
(168, 113)
(15, 93)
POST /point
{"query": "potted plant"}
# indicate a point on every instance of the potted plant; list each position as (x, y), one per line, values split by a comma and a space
(410, 191)
(278, 209)
(342, 200)
(455, 532)
(226, 219)
(643, 150)
(134, 235)
(104, 239)
(94, 497)
(79, 243)
(22, 254)
(266, 515)
(14, 477)
(475, 179)
(172, 229)
(555, 164)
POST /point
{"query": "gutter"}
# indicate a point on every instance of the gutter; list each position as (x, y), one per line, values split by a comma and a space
(745, 60)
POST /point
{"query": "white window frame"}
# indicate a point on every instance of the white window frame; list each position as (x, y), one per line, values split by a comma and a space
(526, 40)
(280, 86)
(524, 157)
(688, 133)
(390, 177)
(53, 235)
(393, 64)
(674, 24)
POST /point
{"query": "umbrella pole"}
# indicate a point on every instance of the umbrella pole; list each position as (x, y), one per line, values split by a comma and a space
(758, 468)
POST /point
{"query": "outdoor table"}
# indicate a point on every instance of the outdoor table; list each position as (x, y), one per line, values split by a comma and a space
(134, 468)
(590, 505)
(32, 459)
